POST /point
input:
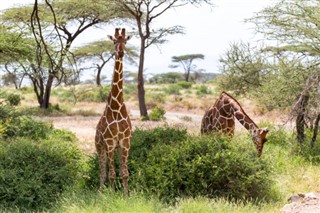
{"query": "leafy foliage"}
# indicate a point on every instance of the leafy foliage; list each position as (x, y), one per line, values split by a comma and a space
(157, 114)
(203, 90)
(202, 166)
(15, 124)
(14, 99)
(164, 78)
(184, 84)
(142, 142)
(34, 173)
(186, 62)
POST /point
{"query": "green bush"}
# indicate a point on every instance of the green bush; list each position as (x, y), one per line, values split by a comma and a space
(156, 98)
(144, 140)
(201, 166)
(157, 114)
(173, 89)
(184, 84)
(102, 94)
(33, 174)
(141, 143)
(15, 124)
(130, 90)
(203, 90)
(14, 99)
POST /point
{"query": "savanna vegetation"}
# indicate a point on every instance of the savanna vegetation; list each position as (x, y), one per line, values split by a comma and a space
(172, 169)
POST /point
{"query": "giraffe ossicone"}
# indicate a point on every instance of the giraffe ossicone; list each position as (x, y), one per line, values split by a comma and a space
(220, 117)
(113, 132)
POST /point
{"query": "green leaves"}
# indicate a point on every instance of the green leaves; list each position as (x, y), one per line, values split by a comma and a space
(34, 173)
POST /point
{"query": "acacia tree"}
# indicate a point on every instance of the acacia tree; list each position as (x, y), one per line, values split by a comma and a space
(186, 62)
(242, 67)
(14, 48)
(144, 12)
(55, 25)
(100, 53)
(296, 25)
(293, 63)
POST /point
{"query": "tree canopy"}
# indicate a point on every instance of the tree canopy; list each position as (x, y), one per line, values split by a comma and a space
(99, 53)
(145, 13)
(186, 62)
(284, 72)
(54, 26)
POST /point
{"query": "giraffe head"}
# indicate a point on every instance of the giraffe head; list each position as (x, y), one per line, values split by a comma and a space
(259, 137)
(120, 40)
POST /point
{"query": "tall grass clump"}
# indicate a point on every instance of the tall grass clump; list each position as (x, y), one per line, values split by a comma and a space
(89, 201)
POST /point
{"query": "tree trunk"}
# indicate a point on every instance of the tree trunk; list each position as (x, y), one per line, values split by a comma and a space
(98, 79)
(141, 91)
(187, 75)
(47, 93)
(315, 131)
(300, 118)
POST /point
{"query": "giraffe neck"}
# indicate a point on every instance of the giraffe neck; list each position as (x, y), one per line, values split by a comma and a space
(116, 93)
(237, 111)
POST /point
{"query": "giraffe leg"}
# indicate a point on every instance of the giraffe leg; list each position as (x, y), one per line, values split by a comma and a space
(102, 155)
(124, 152)
(119, 152)
(112, 173)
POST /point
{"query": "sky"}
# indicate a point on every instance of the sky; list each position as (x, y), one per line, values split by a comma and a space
(208, 31)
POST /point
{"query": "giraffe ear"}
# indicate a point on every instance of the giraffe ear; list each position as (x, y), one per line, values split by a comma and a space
(128, 37)
(264, 131)
(110, 37)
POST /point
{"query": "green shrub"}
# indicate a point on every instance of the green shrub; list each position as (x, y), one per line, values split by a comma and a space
(156, 98)
(130, 90)
(279, 136)
(14, 124)
(184, 84)
(34, 174)
(141, 143)
(201, 166)
(144, 140)
(173, 89)
(157, 114)
(203, 90)
(102, 94)
(14, 99)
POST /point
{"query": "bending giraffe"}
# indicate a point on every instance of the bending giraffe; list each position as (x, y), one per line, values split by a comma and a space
(220, 118)
(114, 128)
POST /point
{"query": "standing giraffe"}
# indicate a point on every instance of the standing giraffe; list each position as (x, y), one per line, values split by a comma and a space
(220, 118)
(114, 127)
